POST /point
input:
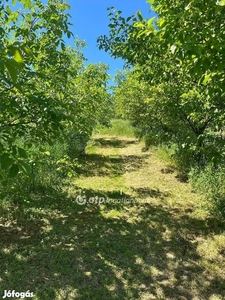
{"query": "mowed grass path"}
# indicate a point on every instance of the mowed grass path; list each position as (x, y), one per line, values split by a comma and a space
(148, 240)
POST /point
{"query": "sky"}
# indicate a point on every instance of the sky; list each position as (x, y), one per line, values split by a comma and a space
(90, 20)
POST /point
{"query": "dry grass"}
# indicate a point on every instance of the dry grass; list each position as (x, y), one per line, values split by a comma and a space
(155, 244)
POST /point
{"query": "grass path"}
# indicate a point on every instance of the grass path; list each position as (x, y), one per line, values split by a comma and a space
(171, 245)
(148, 240)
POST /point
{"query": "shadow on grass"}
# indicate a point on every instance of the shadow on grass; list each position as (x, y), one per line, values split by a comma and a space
(114, 142)
(71, 251)
(144, 192)
(100, 165)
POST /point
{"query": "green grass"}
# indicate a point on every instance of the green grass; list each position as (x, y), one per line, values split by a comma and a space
(117, 127)
(210, 182)
(149, 240)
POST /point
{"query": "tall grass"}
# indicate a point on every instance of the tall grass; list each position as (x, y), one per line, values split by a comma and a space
(117, 127)
(210, 182)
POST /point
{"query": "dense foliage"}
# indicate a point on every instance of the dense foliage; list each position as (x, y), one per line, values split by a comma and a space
(175, 90)
(172, 59)
(48, 95)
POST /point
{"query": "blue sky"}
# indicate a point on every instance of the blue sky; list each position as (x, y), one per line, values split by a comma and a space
(90, 20)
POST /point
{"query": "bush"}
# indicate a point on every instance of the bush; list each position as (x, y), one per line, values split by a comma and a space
(211, 183)
(76, 143)
(184, 159)
(49, 166)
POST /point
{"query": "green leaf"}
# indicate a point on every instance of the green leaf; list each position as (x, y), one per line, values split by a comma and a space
(63, 46)
(11, 69)
(13, 171)
(27, 3)
(27, 50)
(119, 12)
(25, 167)
(128, 19)
(16, 54)
(139, 15)
(161, 22)
(150, 22)
(139, 24)
(14, 150)
(206, 79)
(22, 153)
(8, 10)
(6, 161)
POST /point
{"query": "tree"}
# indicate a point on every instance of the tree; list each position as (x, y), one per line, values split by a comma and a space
(192, 31)
(31, 44)
(45, 88)
(168, 57)
(91, 105)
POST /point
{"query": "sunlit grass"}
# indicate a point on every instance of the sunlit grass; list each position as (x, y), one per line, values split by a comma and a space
(159, 246)
(117, 127)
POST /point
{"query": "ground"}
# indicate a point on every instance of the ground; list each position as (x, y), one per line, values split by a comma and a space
(138, 233)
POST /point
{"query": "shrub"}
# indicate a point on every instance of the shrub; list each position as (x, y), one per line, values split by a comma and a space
(76, 143)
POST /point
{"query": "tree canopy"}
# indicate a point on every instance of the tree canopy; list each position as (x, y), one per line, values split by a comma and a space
(179, 54)
(45, 87)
